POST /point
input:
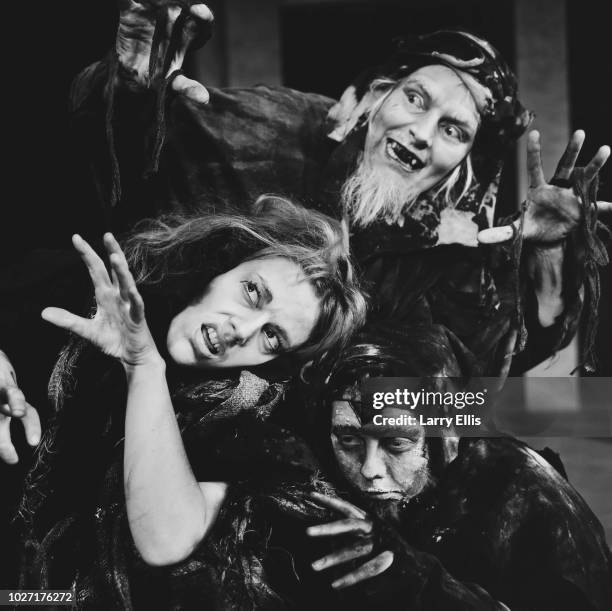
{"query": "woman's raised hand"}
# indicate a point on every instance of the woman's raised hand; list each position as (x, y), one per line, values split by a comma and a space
(118, 328)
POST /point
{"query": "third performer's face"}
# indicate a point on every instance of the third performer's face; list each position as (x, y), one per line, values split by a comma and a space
(380, 462)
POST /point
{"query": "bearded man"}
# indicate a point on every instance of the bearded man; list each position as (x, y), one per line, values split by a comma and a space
(410, 157)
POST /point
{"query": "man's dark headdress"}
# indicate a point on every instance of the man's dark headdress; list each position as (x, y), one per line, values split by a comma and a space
(505, 119)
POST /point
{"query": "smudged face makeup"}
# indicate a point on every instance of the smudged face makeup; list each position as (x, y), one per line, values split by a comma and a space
(246, 317)
(380, 462)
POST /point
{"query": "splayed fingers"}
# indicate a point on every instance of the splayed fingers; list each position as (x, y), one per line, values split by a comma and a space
(32, 429)
(118, 328)
(355, 521)
(151, 24)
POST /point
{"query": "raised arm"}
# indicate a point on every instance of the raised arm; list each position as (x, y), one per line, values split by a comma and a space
(153, 30)
(153, 37)
(553, 212)
(169, 512)
(560, 252)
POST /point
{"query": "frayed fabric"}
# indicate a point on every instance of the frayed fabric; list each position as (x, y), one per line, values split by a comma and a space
(591, 256)
(162, 85)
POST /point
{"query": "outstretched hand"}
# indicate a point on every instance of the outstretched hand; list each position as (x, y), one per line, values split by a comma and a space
(137, 22)
(13, 404)
(357, 522)
(553, 210)
(119, 328)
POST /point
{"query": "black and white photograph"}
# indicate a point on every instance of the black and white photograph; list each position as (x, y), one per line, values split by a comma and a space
(307, 304)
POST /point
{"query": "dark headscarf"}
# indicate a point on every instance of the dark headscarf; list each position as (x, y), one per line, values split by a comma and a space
(504, 118)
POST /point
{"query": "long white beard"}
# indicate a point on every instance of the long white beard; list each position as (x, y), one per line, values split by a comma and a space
(376, 194)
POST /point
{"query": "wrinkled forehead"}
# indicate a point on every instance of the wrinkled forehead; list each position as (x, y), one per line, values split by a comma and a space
(452, 88)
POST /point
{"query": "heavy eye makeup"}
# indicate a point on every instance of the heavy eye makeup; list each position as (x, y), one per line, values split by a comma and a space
(349, 442)
(347, 437)
(397, 445)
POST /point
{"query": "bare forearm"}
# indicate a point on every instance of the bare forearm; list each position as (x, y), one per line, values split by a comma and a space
(166, 509)
(545, 268)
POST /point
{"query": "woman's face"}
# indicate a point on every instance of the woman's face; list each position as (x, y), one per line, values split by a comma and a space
(246, 317)
(423, 129)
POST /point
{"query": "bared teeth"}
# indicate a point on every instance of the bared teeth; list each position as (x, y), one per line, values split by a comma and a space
(405, 156)
(213, 339)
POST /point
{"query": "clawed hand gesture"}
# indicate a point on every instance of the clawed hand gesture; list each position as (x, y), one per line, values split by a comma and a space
(13, 404)
(118, 328)
(553, 210)
(137, 22)
(354, 521)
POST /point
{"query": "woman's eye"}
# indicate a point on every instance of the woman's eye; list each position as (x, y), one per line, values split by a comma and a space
(272, 340)
(252, 292)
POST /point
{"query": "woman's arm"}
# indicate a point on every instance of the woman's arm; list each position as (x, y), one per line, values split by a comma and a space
(168, 511)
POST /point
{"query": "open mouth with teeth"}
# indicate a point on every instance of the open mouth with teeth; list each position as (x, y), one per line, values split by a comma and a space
(402, 155)
(211, 339)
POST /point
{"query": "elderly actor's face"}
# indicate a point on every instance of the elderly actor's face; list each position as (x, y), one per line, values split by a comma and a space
(425, 127)
(246, 317)
(381, 462)
(420, 132)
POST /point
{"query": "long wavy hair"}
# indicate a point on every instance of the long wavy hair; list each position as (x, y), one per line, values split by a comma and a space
(173, 255)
